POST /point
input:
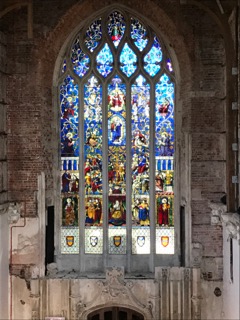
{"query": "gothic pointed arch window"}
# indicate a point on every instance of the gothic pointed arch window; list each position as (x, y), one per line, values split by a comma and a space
(116, 103)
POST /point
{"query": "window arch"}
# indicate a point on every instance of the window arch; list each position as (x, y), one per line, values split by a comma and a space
(116, 99)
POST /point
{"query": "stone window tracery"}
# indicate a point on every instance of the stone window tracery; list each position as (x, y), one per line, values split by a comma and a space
(116, 100)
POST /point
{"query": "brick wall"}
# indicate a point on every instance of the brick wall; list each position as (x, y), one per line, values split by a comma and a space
(199, 47)
(3, 128)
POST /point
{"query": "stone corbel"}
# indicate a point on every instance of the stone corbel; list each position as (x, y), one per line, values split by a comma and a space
(218, 209)
(232, 224)
(12, 210)
(13, 213)
(230, 220)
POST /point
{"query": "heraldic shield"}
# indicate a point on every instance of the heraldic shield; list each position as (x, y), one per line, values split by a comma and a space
(117, 240)
(141, 241)
(70, 241)
(93, 241)
(164, 241)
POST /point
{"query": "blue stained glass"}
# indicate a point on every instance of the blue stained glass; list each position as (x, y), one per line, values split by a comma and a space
(153, 58)
(117, 112)
(64, 66)
(117, 152)
(164, 120)
(128, 60)
(116, 27)
(138, 34)
(140, 120)
(97, 48)
(79, 59)
(93, 35)
(93, 137)
(105, 61)
(69, 118)
(169, 65)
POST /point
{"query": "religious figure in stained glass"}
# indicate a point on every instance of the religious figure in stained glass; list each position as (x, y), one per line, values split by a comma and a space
(117, 210)
(140, 152)
(93, 207)
(93, 137)
(121, 82)
(70, 211)
(143, 212)
(70, 181)
(116, 27)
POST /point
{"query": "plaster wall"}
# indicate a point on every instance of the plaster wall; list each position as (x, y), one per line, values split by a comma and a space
(231, 288)
(4, 266)
(211, 305)
(25, 242)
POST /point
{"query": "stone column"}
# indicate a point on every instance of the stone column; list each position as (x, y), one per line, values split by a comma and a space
(35, 298)
(196, 294)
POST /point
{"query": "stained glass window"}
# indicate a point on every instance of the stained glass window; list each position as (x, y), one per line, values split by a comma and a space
(153, 58)
(117, 138)
(116, 27)
(128, 60)
(138, 34)
(93, 35)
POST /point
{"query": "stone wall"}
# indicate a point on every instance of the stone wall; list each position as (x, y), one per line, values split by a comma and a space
(163, 296)
(4, 248)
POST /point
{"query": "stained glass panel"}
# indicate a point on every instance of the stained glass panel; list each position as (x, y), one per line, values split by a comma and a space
(117, 242)
(165, 240)
(138, 34)
(169, 65)
(116, 27)
(140, 240)
(128, 60)
(70, 178)
(93, 35)
(164, 155)
(117, 156)
(93, 240)
(164, 117)
(80, 59)
(70, 240)
(70, 206)
(69, 170)
(153, 58)
(93, 137)
(69, 118)
(105, 61)
(140, 98)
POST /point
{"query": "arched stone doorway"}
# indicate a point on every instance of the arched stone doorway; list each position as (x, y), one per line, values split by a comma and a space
(115, 313)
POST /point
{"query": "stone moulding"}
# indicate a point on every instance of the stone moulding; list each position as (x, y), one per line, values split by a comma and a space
(113, 291)
(173, 293)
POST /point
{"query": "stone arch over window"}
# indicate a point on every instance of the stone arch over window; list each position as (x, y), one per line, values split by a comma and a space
(122, 60)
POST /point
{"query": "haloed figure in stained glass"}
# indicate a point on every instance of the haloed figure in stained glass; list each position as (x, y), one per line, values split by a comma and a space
(113, 60)
(117, 211)
(70, 211)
